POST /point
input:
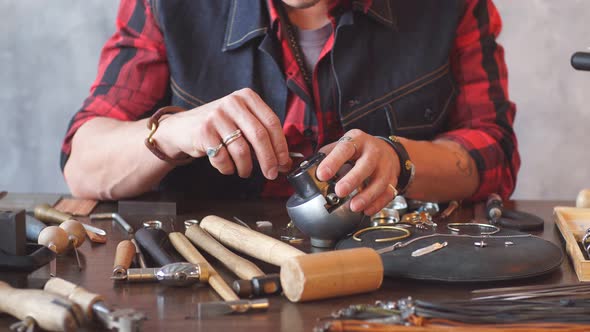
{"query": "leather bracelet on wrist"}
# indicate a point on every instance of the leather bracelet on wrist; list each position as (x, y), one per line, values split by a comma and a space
(151, 144)
(407, 169)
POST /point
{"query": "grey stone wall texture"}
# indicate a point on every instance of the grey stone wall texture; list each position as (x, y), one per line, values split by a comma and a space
(49, 53)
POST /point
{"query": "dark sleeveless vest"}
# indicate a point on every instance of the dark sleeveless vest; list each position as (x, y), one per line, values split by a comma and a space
(388, 72)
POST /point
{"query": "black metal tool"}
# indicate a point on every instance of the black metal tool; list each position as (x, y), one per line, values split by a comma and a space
(12, 232)
(498, 215)
(154, 243)
(33, 228)
(581, 61)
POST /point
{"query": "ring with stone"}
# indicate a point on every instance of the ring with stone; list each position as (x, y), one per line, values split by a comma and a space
(232, 137)
(212, 151)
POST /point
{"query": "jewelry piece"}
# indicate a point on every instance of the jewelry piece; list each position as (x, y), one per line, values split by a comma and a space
(586, 242)
(190, 222)
(385, 216)
(405, 232)
(152, 224)
(481, 244)
(455, 227)
(356, 149)
(212, 151)
(427, 250)
(232, 137)
(399, 245)
(393, 189)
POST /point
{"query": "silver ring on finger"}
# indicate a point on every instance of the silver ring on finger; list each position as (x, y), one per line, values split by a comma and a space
(212, 151)
(232, 137)
(348, 139)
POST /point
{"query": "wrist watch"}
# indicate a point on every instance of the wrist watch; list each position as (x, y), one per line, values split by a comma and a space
(407, 168)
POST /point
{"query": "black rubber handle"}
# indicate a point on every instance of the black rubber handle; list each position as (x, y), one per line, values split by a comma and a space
(155, 244)
(581, 61)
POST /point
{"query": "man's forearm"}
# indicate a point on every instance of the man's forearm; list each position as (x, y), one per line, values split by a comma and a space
(444, 171)
(109, 160)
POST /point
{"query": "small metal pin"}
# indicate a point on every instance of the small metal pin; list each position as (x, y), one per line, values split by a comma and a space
(481, 244)
(78, 259)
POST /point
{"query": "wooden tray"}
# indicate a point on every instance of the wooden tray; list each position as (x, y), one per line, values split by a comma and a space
(573, 223)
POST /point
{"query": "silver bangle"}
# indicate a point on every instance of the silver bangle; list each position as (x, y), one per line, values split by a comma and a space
(456, 227)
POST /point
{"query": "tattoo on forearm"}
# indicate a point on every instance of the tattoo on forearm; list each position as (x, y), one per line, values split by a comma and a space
(463, 164)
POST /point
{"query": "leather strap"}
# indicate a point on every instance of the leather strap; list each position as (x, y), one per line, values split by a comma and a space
(151, 144)
(406, 166)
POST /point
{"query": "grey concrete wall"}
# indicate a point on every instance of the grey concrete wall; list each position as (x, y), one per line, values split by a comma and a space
(49, 52)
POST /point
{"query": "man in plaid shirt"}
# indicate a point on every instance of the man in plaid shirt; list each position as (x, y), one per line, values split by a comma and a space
(261, 78)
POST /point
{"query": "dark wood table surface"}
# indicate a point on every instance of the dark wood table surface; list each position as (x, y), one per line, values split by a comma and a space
(169, 309)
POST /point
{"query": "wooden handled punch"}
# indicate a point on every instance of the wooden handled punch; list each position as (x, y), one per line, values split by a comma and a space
(192, 255)
(250, 242)
(242, 267)
(49, 311)
(123, 257)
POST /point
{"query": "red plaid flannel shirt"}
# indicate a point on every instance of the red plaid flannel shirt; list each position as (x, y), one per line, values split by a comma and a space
(142, 77)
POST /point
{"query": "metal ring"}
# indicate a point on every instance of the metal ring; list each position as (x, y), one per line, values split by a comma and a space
(406, 232)
(152, 224)
(232, 137)
(190, 222)
(455, 227)
(349, 139)
(212, 151)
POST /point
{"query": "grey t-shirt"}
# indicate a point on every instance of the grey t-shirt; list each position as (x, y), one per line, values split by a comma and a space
(312, 42)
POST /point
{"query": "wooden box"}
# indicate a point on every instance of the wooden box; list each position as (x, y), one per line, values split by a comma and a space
(573, 223)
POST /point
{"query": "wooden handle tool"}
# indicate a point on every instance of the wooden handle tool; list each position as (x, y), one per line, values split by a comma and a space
(76, 236)
(46, 213)
(76, 294)
(49, 311)
(248, 241)
(242, 267)
(331, 274)
(54, 238)
(94, 307)
(123, 257)
(192, 255)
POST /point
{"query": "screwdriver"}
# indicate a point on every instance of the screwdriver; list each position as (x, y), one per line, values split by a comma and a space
(36, 307)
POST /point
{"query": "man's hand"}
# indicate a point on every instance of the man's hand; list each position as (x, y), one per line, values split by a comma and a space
(193, 131)
(375, 164)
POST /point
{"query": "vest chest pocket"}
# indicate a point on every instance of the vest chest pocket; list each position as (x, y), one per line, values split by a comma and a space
(417, 110)
(421, 113)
